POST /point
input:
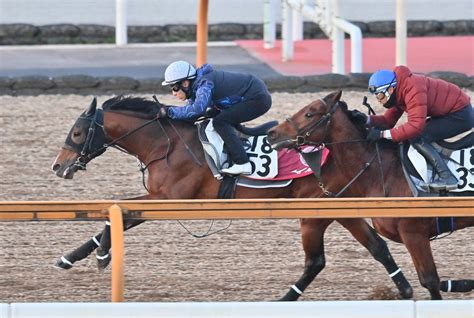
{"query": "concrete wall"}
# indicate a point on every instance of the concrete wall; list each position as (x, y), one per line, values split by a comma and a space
(334, 309)
(162, 12)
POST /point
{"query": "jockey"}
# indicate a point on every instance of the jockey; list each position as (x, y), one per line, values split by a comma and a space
(238, 97)
(436, 110)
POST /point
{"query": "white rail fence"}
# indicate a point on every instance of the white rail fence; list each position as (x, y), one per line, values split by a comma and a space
(325, 13)
(333, 309)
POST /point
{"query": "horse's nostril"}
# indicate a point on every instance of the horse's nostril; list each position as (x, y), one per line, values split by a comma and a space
(56, 167)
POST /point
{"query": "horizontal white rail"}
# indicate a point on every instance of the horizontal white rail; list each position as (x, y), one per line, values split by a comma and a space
(333, 309)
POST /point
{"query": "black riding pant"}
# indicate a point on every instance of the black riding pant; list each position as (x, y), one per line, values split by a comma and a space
(450, 125)
(244, 111)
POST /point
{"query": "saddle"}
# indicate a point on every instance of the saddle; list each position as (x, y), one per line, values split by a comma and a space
(459, 156)
(271, 168)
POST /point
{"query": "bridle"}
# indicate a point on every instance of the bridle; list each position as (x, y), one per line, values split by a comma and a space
(314, 162)
(97, 121)
(303, 133)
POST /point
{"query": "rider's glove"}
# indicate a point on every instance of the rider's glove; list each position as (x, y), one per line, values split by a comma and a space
(374, 135)
(162, 112)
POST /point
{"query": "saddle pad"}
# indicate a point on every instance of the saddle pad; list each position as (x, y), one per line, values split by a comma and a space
(461, 164)
(291, 164)
(263, 158)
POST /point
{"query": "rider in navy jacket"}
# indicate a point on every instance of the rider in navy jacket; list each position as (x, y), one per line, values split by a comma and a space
(239, 97)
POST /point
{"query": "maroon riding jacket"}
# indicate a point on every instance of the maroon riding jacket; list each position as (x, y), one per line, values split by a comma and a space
(421, 97)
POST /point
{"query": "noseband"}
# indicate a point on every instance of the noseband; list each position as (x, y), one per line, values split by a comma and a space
(96, 120)
(301, 139)
(305, 132)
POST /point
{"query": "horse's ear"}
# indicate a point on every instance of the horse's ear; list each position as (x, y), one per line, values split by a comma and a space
(91, 110)
(336, 96)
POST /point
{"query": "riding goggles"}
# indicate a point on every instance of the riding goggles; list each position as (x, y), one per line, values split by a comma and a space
(176, 87)
(383, 88)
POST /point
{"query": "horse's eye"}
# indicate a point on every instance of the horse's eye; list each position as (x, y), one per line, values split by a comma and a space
(76, 134)
(309, 115)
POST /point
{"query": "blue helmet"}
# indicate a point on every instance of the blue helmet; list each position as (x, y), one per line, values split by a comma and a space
(381, 80)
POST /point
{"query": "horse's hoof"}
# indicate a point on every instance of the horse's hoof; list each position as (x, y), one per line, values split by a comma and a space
(407, 293)
(63, 263)
(103, 261)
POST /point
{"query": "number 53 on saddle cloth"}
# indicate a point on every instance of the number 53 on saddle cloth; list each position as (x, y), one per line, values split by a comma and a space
(267, 163)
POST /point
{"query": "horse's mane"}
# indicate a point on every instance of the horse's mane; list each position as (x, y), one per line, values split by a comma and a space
(361, 127)
(133, 104)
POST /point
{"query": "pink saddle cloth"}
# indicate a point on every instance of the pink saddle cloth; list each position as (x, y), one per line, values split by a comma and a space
(291, 164)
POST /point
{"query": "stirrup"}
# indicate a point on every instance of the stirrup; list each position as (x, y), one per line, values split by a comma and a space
(245, 169)
(440, 186)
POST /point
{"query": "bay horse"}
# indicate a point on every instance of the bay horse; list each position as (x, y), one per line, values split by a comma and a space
(170, 150)
(326, 122)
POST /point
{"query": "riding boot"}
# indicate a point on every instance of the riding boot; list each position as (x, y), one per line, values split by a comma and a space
(237, 153)
(446, 180)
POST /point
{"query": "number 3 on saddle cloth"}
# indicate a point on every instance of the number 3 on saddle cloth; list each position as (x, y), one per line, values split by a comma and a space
(459, 156)
(269, 167)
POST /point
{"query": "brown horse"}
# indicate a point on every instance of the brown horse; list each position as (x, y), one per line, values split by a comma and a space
(327, 123)
(170, 151)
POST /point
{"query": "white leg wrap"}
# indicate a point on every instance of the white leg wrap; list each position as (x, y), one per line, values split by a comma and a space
(65, 261)
(102, 257)
(395, 273)
(449, 286)
(296, 289)
(95, 241)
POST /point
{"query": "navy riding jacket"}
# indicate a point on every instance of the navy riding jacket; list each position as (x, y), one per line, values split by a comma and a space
(218, 89)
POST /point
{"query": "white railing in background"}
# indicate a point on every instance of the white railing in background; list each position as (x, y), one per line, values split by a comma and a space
(121, 22)
(301, 309)
(401, 34)
(269, 23)
(326, 14)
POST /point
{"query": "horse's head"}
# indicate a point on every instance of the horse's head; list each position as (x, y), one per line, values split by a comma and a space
(310, 123)
(84, 142)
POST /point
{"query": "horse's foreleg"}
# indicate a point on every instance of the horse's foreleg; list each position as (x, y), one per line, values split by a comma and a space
(418, 245)
(457, 286)
(103, 251)
(377, 247)
(312, 233)
(66, 261)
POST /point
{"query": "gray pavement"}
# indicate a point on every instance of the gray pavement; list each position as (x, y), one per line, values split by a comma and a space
(136, 60)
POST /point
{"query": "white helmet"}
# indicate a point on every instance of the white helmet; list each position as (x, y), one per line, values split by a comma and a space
(178, 71)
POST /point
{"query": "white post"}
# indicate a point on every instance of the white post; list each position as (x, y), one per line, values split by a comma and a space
(269, 24)
(401, 34)
(337, 37)
(121, 22)
(356, 43)
(338, 56)
(297, 25)
(286, 33)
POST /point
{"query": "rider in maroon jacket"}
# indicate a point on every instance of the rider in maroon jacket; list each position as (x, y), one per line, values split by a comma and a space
(436, 110)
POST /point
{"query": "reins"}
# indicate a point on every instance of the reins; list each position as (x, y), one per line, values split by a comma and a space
(84, 156)
(301, 140)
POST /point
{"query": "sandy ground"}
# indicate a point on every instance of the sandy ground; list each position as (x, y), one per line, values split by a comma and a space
(254, 260)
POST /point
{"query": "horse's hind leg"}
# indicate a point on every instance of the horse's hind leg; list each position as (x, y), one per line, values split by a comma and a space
(418, 245)
(377, 247)
(67, 261)
(312, 233)
(457, 286)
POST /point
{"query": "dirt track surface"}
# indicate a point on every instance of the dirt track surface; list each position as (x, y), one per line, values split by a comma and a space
(255, 260)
